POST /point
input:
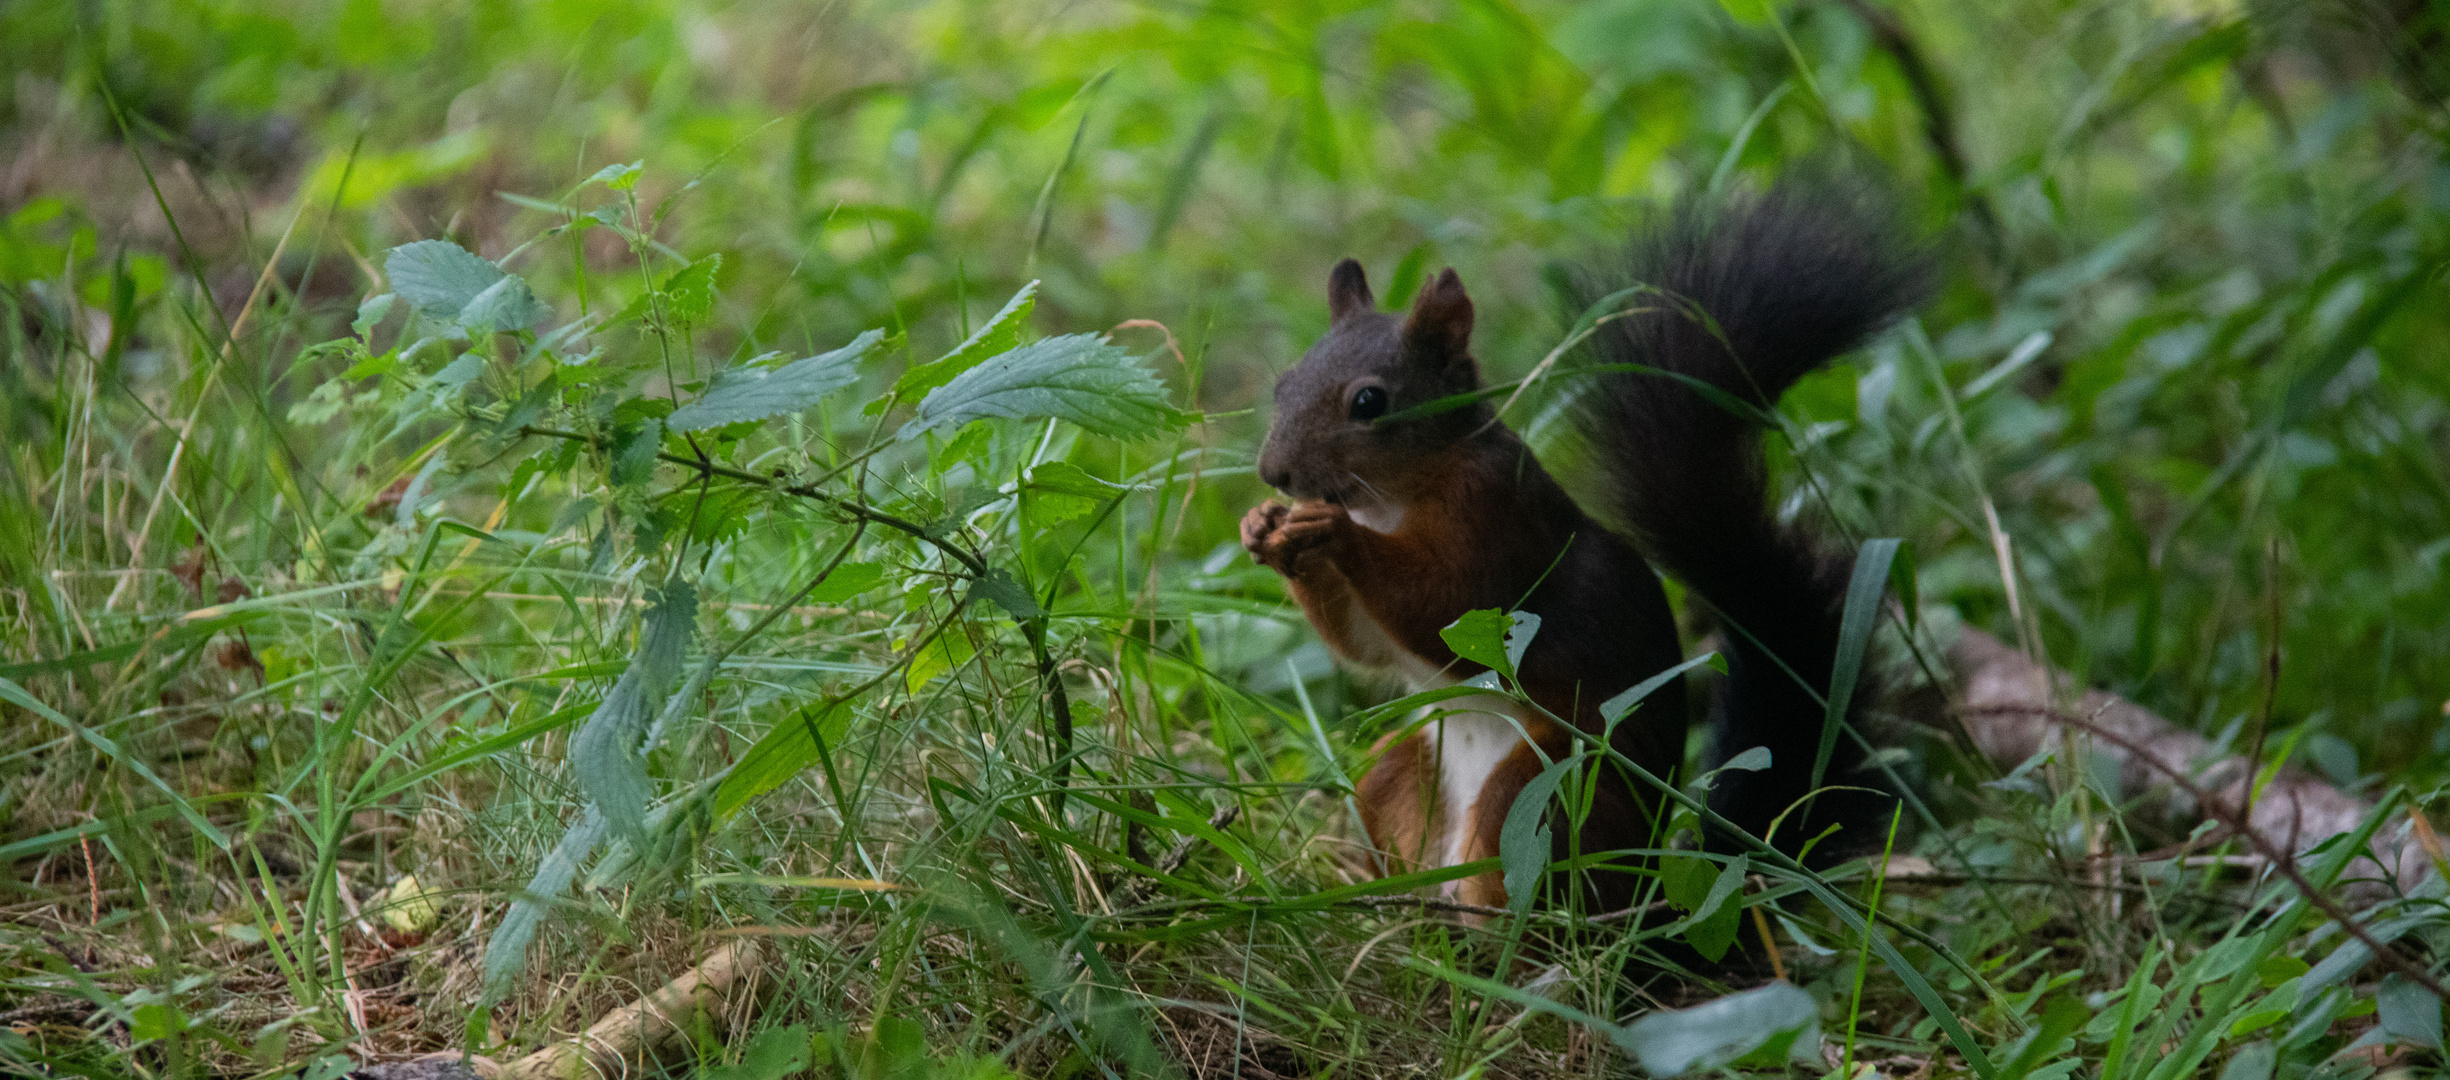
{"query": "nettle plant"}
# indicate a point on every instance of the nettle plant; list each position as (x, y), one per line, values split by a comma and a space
(677, 476)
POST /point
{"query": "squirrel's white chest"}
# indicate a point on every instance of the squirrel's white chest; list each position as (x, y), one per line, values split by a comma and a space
(1475, 736)
(1466, 745)
(1383, 518)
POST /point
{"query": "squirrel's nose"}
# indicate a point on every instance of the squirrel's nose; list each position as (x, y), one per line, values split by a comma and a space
(1277, 479)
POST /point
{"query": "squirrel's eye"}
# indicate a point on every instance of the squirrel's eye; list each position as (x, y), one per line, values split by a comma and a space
(1369, 403)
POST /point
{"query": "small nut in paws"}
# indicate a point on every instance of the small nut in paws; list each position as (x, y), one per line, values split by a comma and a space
(1309, 525)
(1259, 528)
(1278, 536)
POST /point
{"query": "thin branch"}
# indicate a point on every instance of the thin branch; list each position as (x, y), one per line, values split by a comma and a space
(862, 511)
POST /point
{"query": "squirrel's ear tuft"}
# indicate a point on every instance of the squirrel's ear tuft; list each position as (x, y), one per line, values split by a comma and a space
(1441, 316)
(1348, 291)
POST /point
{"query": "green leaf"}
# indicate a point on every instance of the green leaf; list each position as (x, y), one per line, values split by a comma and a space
(506, 951)
(1518, 638)
(605, 755)
(504, 305)
(689, 294)
(447, 282)
(847, 580)
(949, 650)
(749, 392)
(2255, 1061)
(460, 372)
(1060, 490)
(2279, 969)
(2409, 1012)
(1065, 478)
(1480, 637)
(617, 176)
(1902, 577)
(1714, 921)
(438, 276)
(1075, 377)
(370, 312)
(1862, 613)
(371, 366)
(975, 444)
(633, 452)
(319, 405)
(998, 335)
(1615, 708)
(1753, 760)
(1777, 1021)
(2256, 1021)
(998, 586)
(1525, 842)
(155, 1020)
(2061, 1020)
(772, 1055)
(791, 746)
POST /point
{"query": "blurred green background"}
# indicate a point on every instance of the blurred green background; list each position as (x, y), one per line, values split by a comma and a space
(2192, 358)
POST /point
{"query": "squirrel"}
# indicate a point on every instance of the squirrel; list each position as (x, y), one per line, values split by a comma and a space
(1400, 523)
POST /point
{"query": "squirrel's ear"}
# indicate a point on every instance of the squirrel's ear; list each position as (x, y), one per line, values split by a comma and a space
(1441, 315)
(1348, 291)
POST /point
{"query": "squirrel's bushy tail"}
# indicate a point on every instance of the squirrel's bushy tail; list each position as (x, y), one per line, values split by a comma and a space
(1788, 279)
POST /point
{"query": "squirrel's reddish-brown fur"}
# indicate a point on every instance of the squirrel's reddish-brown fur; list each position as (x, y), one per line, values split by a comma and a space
(1402, 521)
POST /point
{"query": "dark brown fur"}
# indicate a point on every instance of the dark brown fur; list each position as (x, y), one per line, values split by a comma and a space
(1482, 527)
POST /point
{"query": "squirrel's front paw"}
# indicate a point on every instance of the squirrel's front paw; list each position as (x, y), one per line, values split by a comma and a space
(1259, 527)
(1277, 535)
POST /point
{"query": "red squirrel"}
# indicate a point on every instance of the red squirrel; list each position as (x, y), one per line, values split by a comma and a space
(1399, 527)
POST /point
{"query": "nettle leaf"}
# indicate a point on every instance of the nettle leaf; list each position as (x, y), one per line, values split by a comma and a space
(1061, 491)
(506, 951)
(460, 372)
(1480, 637)
(689, 294)
(1075, 377)
(998, 335)
(747, 391)
(605, 755)
(446, 281)
(1770, 1024)
(438, 276)
(504, 305)
(633, 452)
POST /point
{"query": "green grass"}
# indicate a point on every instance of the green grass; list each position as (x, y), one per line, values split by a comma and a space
(297, 611)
